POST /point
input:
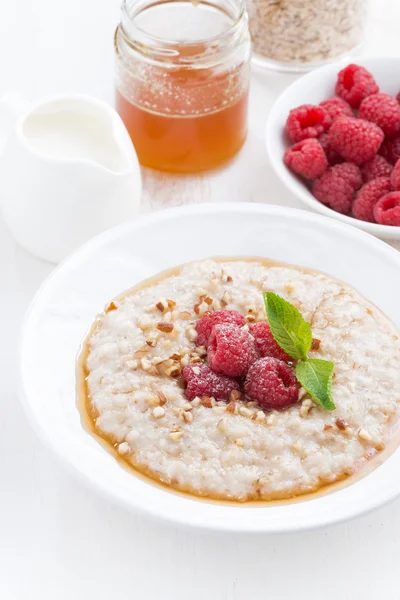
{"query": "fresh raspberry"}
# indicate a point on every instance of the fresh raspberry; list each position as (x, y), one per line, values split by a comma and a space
(368, 196)
(337, 185)
(206, 323)
(387, 209)
(333, 157)
(272, 383)
(398, 97)
(231, 350)
(307, 158)
(355, 139)
(307, 121)
(354, 83)
(383, 110)
(337, 107)
(377, 167)
(395, 176)
(390, 149)
(265, 342)
(202, 381)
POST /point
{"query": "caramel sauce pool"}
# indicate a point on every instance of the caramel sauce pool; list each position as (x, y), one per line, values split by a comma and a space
(88, 415)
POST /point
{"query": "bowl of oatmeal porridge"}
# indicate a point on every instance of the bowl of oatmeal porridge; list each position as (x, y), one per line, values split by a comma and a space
(151, 364)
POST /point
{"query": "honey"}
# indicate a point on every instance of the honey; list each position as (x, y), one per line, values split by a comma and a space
(184, 102)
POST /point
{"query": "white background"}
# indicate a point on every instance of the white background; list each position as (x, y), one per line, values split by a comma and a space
(59, 540)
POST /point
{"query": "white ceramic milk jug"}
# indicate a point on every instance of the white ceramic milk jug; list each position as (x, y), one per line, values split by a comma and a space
(67, 172)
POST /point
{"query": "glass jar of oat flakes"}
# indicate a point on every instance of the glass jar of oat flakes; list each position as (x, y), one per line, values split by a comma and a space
(298, 35)
(182, 80)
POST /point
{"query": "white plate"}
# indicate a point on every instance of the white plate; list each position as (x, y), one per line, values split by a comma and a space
(68, 302)
(311, 89)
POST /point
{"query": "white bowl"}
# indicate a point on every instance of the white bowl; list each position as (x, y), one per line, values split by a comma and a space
(311, 89)
(68, 302)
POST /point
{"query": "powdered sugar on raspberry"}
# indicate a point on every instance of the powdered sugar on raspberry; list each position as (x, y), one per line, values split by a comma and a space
(265, 341)
(202, 381)
(207, 322)
(272, 383)
(231, 350)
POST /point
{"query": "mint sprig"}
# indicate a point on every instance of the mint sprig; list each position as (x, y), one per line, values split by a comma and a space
(288, 326)
(293, 334)
(315, 376)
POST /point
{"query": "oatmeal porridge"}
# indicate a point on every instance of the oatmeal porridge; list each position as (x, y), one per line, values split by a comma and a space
(185, 382)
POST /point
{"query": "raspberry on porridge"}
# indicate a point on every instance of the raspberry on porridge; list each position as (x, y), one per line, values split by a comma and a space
(249, 431)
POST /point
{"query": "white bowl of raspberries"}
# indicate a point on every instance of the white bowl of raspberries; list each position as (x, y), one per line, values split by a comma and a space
(333, 138)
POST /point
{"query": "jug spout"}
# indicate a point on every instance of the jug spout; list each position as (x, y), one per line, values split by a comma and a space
(12, 106)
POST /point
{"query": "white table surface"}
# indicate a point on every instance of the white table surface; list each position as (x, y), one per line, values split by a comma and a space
(59, 540)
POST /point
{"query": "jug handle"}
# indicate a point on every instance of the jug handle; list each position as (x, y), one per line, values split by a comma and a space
(12, 106)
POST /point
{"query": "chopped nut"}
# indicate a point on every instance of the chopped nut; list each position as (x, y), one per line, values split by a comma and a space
(271, 420)
(341, 424)
(185, 360)
(185, 315)
(162, 305)
(328, 427)
(219, 410)
(245, 412)
(232, 408)
(171, 303)
(191, 334)
(229, 279)
(235, 395)
(187, 416)
(226, 298)
(201, 350)
(187, 406)
(305, 407)
(144, 322)
(315, 344)
(302, 393)
(201, 308)
(157, 360)
(260, 415)
(153, 400)
(196, 402)
(251, 404)
(250, 318)
(201, 292)
(239, 442)
(196, 370)
(162, 398)
(124, 448)
(364, 435)
(165, 327)
(194, 358)
(221, 425)
(208, 300)
(173, 371)
(176, 435)
(207, 401)
(111, 306)
(288, 287)
(216, 304)
(175, 356)
(146, 364)
(158, 412)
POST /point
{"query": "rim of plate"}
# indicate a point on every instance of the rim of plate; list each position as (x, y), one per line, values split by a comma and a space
(205, 516)
(289, 180)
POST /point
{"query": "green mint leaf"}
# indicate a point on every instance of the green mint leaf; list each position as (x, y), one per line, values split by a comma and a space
(315, 376)
(290, 330)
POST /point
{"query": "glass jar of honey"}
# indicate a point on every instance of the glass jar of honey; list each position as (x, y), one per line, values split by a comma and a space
(182, 81)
